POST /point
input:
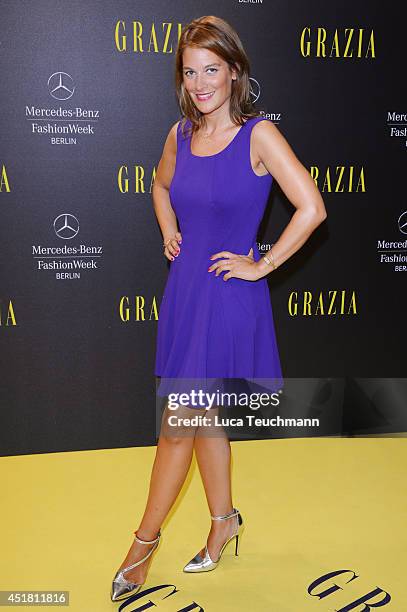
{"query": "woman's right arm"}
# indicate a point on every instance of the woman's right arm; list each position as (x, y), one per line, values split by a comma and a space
(161, 200)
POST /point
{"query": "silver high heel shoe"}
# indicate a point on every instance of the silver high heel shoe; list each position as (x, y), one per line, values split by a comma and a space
(122, 588)
(204, 563)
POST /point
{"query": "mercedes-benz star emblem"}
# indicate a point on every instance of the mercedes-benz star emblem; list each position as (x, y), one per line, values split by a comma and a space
(60, 85)
(254, 90)
(402, 222)
(66, 226)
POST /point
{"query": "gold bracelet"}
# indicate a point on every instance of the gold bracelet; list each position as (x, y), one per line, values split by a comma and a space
(270, 261)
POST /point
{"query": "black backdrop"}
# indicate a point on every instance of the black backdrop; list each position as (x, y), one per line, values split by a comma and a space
(78, 352)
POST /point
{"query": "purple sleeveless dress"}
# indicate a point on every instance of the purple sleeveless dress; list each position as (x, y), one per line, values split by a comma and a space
(209, 328)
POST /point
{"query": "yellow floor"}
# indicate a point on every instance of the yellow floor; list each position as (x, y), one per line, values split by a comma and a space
(311, 506)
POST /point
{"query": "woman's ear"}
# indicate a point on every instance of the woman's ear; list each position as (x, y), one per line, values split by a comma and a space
(235, 72)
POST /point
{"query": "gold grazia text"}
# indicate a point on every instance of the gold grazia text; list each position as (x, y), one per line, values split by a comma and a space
(344, 43)
(4, 182)
(152, 38)
(328, 303)
(139, 309)
(135, 180)
(340, 179)
(7, 314)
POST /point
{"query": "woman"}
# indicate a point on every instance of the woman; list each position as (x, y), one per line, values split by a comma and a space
(214, 177)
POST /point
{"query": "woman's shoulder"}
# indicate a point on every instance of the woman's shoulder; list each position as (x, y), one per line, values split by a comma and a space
(258, 119)
(174, 129)
(172, 136)
(263, 128)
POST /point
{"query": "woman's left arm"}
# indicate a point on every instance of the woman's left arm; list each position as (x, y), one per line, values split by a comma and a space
(272, 149)
(274, 152)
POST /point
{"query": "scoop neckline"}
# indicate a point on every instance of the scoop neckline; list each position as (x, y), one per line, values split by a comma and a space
(219, 152)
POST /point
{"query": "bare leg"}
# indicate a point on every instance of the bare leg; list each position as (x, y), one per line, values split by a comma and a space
(170, 468)
(213, 454)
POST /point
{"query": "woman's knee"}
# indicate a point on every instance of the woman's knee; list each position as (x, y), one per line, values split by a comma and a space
(176, 439)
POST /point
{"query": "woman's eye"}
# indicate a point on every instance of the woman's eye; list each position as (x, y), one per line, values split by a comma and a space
(188, 72)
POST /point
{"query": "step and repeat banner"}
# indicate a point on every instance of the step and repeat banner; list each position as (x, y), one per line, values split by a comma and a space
(87, 100)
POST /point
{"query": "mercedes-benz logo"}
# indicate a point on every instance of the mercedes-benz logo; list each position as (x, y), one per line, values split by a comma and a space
(60, 85)
(402, 222)
(254, 89)
(66, 226)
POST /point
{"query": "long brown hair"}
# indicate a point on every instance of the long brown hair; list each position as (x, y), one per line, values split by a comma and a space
(216, 35)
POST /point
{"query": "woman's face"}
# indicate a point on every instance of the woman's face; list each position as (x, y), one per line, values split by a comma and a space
(207, 78)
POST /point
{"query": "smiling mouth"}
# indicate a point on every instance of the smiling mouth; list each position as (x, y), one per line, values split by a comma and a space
(206, 96)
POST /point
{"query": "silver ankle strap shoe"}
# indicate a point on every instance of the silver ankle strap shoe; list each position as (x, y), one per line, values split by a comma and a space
(204, 563)
(123, 588)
